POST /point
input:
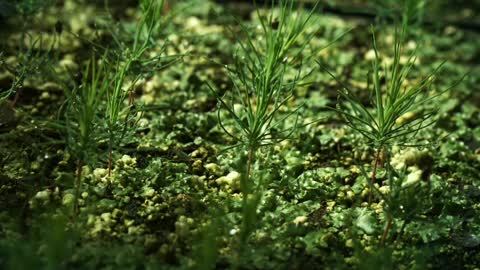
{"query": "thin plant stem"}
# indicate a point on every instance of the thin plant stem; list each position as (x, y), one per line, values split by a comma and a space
(246, 218)
(245, 185)
(15, 99)
(400, 233)
(110, 157)
(386, 230)
(166, 8)
(374, 173)
(131, 98)
(250, 161)
(77, 187)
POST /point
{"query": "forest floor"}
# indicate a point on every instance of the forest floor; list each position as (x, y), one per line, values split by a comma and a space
(174, 183)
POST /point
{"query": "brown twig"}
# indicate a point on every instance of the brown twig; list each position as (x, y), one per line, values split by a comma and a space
(386, 230)
(15, 99)
(374, 173)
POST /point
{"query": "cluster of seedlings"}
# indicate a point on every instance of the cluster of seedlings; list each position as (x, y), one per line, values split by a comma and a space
(100, 110)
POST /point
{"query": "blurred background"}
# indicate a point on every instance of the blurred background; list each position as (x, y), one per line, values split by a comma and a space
(460, 13)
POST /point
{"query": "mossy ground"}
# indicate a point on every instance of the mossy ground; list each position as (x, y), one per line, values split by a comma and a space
(171, 179)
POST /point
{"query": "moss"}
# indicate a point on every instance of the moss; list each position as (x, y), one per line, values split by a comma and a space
(172, 175)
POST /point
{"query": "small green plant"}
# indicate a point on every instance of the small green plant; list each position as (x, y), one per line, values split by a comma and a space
(103, 103)
(30, 63)
(261, 87)
(133, 40)
(82, 118)
(397, 116)
(132, 63)
(116, 96)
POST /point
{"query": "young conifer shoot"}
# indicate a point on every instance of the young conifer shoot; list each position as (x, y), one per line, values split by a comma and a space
(132, 63)
(82, 119)
(398, 115)
(262, 89)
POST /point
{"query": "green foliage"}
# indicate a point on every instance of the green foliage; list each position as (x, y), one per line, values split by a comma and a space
(23, 7)
(398, 115)
(393, 101)
(152, 12)
(82, 111)
(49, 245)
(173, 201)
(131, 64)
(31, 62)
(405, 199)
(130, 56)
(82, 119)
(29, 7)
(265, 74)
(412, 10)
(133, 40)
(261, 86)
(117, 114)
(259, 77)
(206, 252)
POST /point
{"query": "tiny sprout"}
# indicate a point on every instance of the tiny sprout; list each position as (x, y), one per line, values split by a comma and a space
(261, 87)
(397, 115)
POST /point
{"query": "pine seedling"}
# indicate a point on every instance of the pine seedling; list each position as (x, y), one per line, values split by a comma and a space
(83, 106)
(30, 63)
(117, 114)
(261, 87)
(398, 115)
(132, 63)
(140, 37)
(396, 118)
